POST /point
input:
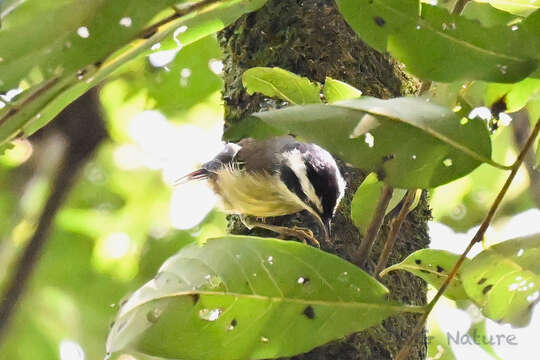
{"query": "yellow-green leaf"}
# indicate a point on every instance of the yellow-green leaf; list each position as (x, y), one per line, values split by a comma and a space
(283, 84)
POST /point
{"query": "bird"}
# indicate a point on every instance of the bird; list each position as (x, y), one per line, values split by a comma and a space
(273, 177)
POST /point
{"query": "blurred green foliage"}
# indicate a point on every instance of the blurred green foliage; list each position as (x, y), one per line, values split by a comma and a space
(76, 288)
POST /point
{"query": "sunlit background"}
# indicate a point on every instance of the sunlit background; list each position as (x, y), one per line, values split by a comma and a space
(164, 116)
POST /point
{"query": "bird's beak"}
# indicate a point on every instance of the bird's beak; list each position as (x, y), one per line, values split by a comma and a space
(326, 227)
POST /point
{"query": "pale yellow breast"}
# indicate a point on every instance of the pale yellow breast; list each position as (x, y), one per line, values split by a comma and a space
(258, 194)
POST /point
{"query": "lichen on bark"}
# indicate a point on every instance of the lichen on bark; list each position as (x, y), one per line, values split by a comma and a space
(310, 38)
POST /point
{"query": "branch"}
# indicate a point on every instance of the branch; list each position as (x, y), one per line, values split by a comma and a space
(459, 6)
(362, 254)
(395, 226)
(178, 12)
(83, 126)
(402, 355)
(520, 126)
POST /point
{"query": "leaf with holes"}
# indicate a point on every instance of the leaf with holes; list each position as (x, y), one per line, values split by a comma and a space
(241, 297)
(366, 198)
(504, 280)
(335, 90)
(282, 84)
(409, 142)
(459, 48)
(433, 266)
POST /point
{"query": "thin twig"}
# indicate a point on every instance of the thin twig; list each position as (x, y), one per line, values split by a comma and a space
(152, 29)
(395, 226)
(402, 355)
(521, 127)
(459, 6)
(362, 254)
(31, 254)
(83, 139)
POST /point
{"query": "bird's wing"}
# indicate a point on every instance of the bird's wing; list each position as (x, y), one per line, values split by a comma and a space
(260, 155)
(225, 158)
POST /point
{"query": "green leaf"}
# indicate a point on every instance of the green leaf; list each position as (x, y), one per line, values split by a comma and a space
(251, 127)
(335, 90)
(514, 96)
(478, 331)
(411, 143)
(39, 104)
(486, 14)
(518, 7)
(71, 36)
(438, 346)
(240, 297)
(187, 80)
(433, 266)
(283, 84)
(459, 48)
(504, 279)
(365, 201)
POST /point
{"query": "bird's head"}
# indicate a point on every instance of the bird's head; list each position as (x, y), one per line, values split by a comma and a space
(312, 174)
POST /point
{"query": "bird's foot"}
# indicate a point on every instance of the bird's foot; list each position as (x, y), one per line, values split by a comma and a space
(300, 233)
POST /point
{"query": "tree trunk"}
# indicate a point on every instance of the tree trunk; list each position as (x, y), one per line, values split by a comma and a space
(310, 38)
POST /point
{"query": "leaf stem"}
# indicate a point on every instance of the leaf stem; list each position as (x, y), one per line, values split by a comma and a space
(459, 6)
(178, 12)
(361, 255)
(395, 226)
(402, 355)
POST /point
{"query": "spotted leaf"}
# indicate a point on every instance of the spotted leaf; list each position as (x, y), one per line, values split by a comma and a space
(460, 49)
(242, 297)
(409, 142)
(504, 279)
(433, 266)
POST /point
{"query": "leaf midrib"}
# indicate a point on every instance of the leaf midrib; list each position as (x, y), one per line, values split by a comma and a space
(274, 299)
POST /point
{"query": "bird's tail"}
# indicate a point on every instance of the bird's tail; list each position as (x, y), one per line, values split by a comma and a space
(201, 174)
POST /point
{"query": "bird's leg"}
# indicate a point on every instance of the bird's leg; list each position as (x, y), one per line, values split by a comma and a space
(304, 234)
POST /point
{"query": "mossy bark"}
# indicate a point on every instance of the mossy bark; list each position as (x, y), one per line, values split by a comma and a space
(310, 38)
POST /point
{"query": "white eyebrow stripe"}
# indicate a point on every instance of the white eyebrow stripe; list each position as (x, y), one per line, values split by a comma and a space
(297, 165)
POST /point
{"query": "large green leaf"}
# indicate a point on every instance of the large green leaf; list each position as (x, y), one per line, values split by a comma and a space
(187, 80)
(41, 102)
(459, 48)
(242, 297)
(504, 279)
(283, 84)
(366, 198)
(519, 7)
(71, 36)
(433, 266)
(409, 142)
